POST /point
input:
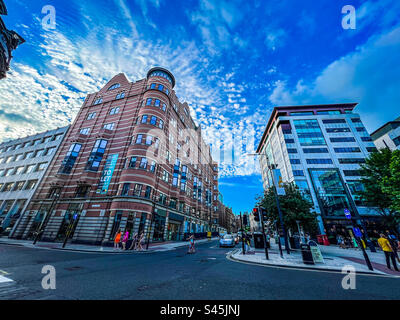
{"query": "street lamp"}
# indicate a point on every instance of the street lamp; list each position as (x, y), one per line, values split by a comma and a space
(277, 201)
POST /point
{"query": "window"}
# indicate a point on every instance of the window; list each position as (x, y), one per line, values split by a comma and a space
(19, 157)
(153, 120)
(31, 184)
(351, 173)
(147, 193)
(152, 166)
(397, 141)
(50, 151)
(164, 107)
(309, 133)
(165, 176)
(143, 163)
(327, 121)
(39, 153)
(351, 160)
(85, 131)
(295, 161)
(298, 173)
(139, 139)
(91, 116)
(343, 139)
(315, 150)
(114, 86)
(28, 155)
(161, 74)
(109, 126)
(319, 161)
(148, 102)
(153, 86)
(366, 139)
(160, 87)
(328, 112)
(337, 130)
(120, 96)
(144, 118)
(70, 158)
(98, 101)
(361, 129)
(289, 140)
(347, 150)
(138, 190)
(96, 155)
(29, 169)
(41, 166)
(125, 189)
(132, 162)
(302, 113)
(356, 120)
(8, 186)
(157, 103)
(149, 140)
(372, 149)
(289, 150)
(19, 170)
(114, 110)
(19, 185)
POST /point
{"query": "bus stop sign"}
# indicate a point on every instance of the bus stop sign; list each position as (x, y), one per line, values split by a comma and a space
(347, 213)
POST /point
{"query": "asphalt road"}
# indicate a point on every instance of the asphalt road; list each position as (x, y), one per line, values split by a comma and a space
(208, 274)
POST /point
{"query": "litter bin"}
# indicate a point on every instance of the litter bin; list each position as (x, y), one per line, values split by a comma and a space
(258, 241)
(306, 254)
(294, 242)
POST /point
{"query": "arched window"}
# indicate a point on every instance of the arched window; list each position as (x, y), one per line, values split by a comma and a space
(114, 86)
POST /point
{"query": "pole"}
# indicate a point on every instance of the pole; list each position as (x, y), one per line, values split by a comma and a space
(263, 232)
(241, 226)
(362, 248)
(279, 239)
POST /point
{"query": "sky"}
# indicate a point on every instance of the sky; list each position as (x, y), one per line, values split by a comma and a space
(233, 62)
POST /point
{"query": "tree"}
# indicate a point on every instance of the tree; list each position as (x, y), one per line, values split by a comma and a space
(391, 183)
(294, 206)
(377, 176)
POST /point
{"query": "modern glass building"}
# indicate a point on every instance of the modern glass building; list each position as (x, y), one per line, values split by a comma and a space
(320, 149)
(388, 136)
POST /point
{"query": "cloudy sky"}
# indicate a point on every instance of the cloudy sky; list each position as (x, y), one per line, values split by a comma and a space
(233, 62)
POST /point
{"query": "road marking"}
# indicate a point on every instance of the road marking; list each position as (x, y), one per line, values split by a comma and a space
(4, 279)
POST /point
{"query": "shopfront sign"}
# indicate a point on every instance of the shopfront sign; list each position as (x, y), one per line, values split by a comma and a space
(107, 174)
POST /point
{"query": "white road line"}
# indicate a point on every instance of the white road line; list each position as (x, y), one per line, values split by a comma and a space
(4, 279)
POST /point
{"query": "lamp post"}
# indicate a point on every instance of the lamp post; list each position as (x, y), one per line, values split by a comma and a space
(269, 166)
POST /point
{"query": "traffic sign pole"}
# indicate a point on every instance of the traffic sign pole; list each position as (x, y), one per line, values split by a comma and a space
(263, 231)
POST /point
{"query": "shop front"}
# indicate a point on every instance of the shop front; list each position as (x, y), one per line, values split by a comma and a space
(175, 225)
(159, 225)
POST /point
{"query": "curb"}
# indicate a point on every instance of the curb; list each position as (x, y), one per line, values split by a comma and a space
(230, 257)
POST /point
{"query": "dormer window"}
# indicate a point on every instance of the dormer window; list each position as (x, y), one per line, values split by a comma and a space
(114, 86)
(120, 96)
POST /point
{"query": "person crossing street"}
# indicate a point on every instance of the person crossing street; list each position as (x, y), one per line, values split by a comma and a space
(388, 250)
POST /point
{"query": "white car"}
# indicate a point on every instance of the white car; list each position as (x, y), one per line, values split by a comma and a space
(227, 241)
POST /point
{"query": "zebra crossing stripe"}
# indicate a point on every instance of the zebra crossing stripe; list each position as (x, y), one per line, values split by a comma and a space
(4, 279)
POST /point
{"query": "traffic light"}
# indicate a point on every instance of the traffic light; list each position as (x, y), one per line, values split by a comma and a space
(256, 215)
(245, 220)
(264, 213)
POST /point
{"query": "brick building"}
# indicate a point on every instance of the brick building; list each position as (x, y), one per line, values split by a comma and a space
(133, 158)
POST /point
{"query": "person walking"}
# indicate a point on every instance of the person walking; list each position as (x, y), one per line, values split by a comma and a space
(388, 250)
(125, 240)
(134, 240)
(140, 242)
(393, 242)
(191, 244)
(340, 241)
(117, 239)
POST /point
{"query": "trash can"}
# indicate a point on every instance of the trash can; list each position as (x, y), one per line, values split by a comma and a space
(306, 254)
(258, 241)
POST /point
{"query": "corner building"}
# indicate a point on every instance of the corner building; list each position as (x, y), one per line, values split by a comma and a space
(133, 160)
(320, 149)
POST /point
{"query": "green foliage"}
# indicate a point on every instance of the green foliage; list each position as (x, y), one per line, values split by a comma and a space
(294, 208)
(381, 180)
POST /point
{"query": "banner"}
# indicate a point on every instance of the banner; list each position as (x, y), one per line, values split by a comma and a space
(107, 174)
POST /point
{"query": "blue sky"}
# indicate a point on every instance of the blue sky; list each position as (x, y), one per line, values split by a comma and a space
(233, 61)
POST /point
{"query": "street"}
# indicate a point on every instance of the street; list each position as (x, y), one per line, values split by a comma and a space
(207, 274)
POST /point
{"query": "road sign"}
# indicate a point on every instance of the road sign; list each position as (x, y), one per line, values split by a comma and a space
(357, 232)
(347, 213)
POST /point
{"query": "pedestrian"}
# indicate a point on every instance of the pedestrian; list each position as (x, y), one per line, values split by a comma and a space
(340, 241)
(117, 239)
(191, 244)
(140, 242)
(393, 242)
(125, 240)
(134, 240)
(388, 250)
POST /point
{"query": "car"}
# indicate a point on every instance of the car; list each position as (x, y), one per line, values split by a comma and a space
(227, 241)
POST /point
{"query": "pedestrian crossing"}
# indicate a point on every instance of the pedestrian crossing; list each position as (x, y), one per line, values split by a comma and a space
(10, 290)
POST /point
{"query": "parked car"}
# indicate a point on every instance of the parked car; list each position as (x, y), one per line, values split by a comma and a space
(227, 241)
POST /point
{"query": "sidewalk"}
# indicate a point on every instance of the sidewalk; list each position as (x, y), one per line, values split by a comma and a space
(153, 247)
(335, 259)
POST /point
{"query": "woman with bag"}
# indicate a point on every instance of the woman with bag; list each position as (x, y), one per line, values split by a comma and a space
(134, 240)
(140, 242)
(125, 240)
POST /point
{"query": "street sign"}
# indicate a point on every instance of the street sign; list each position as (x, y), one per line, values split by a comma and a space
(75, 216)
(277, 176)
(347, 213)
(316, 252)
(357, 232)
